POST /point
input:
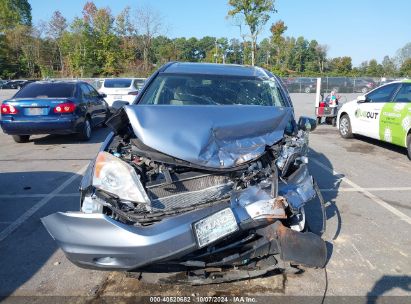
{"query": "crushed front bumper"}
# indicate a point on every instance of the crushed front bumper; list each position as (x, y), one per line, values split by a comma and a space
(98, 241)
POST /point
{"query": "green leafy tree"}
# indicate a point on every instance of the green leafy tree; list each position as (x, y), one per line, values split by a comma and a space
(255, 14)
(388, 66)
(14, 12)
(405, 69)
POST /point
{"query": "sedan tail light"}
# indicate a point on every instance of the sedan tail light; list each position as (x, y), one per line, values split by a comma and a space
(133, 93)
(8, 109)
(63, 108)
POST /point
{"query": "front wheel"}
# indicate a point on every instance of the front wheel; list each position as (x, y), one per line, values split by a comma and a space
(85, 133)
(364, 90)
(409, 145)
(345, 127)
(21, 138)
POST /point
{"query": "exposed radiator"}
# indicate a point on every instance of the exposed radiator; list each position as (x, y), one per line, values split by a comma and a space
(189, 191)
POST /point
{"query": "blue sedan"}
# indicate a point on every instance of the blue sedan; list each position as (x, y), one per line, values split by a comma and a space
(53, 107)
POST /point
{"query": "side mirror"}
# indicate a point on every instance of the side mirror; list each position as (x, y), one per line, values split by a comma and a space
(118, 104)
(307, 124)
(361, 99)
(103, 95)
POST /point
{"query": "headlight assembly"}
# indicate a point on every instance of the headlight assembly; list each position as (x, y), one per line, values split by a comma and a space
(115, 176)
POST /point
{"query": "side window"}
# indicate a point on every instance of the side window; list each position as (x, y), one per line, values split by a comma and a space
(84, 92)
(383, 94)
(404, 94)
(92, 91)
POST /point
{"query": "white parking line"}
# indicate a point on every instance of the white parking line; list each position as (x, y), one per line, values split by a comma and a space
(366, 189)
(26, 215)
(38, 195)
(371, 196)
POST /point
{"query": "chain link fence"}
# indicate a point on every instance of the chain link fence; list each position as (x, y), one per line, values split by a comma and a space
(337, 84)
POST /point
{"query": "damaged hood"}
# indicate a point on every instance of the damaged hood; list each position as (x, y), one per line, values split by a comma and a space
(209, 136)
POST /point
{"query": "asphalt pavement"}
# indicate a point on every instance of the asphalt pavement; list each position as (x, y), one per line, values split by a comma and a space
(367, 186)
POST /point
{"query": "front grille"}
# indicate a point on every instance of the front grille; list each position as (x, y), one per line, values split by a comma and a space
(190, 191)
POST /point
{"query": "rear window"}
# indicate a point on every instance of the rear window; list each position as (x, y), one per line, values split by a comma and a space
(47, 90)
(117, 83)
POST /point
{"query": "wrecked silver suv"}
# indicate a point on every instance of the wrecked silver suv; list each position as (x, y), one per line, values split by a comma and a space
(205, 174)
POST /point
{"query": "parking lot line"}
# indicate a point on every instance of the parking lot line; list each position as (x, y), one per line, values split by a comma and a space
(371, 196)
(74, 194)
(26, 215)
(362, 189)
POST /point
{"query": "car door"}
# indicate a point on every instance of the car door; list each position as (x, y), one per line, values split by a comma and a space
(367, 113)
(395, 120)
(99, 105)
(88, 101)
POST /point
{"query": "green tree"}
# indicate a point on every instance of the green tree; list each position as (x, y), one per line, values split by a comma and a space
(278, 41)
(405, 69)
(374, 69)
(403, 54)
(388, 67)
(14, 12)
(341, 65)
(255, 14)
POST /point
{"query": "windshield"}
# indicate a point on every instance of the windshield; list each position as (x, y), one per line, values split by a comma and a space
(46, 90)
(169, 89)
(117, 83)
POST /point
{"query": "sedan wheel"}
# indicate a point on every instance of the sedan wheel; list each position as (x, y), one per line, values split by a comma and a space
(409, 145)
(345, 127)
(21, 138)
(364, 90)
(85, 133)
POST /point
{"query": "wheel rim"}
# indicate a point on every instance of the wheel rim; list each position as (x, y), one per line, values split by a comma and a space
(88, 129)
(344, 124)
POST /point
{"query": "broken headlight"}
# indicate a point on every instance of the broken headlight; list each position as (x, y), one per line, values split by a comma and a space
(115, 176)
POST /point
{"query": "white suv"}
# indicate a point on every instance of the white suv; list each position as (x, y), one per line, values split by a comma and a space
(124, 89)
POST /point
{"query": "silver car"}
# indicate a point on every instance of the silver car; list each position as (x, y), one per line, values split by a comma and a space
(205, 172)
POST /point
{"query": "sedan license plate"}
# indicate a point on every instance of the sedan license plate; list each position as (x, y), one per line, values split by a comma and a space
(36, 111)
(215, 226)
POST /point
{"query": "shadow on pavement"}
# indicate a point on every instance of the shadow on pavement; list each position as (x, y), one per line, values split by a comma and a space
(387, 283)
(381, 144)
(325, 180)
(98, 136)
(27, 249)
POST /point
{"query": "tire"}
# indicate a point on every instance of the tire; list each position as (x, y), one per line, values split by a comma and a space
(364, 90)
(345, 127)
(335, 89)
(21, 138)
(85, 133)
(409, 146)
(307, 90)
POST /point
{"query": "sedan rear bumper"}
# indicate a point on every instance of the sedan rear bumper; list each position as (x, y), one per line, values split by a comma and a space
(61, 125)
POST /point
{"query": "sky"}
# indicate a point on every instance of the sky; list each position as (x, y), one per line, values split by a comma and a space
(361, 29)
